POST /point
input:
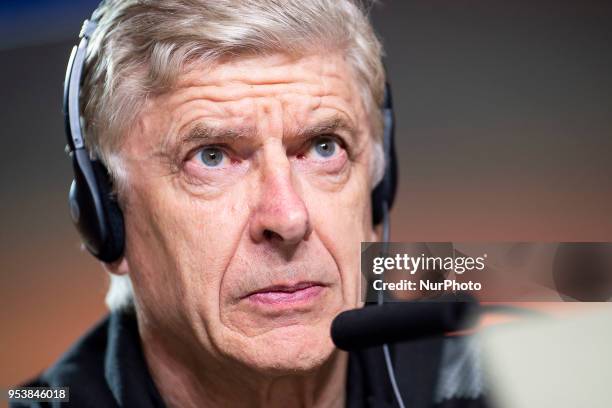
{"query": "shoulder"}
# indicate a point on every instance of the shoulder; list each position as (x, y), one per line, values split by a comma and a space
(82, 370)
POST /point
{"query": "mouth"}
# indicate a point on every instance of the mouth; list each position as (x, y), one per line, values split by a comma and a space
(292, 294)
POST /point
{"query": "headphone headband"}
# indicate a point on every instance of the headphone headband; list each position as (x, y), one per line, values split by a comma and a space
(72, 87)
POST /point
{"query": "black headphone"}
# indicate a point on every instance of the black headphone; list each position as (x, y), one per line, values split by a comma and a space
(94, 210)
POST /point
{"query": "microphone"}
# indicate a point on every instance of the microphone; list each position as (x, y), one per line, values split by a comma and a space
(403, 321)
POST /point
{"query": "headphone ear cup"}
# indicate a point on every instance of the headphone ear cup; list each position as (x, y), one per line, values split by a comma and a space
(115, 242)
(385, 190)
(94, 211)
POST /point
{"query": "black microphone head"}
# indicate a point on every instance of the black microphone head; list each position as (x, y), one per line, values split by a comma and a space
(402, 321)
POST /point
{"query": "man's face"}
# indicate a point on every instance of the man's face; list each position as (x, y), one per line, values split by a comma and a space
(249, 194)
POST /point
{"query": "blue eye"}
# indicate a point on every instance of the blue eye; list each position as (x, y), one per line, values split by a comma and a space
(325, 146)
(210, 156)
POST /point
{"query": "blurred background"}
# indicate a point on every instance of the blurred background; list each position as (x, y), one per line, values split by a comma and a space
(504, 132)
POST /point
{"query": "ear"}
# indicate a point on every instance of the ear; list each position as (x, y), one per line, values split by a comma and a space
(119, 267)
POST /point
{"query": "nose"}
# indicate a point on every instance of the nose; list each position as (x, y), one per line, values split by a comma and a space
(280, 216)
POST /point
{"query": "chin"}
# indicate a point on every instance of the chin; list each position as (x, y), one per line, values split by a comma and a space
(287, 350)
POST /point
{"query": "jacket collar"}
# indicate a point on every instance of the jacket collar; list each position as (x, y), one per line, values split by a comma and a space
(125, 368)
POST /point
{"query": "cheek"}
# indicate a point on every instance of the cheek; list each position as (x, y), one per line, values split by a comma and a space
(204, 246)
(179, 247)
(343, 221)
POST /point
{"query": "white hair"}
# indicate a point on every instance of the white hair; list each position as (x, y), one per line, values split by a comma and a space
(141, 47)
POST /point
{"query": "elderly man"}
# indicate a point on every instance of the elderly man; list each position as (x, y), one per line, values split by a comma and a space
(243, 139)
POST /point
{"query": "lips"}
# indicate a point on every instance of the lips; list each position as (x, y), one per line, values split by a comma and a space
(297, 293)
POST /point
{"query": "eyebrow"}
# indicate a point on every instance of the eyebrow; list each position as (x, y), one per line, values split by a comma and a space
(203, 133)
(173, 146)
(332, 124)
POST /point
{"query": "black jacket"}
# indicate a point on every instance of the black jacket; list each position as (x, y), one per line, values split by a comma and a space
(106, 368)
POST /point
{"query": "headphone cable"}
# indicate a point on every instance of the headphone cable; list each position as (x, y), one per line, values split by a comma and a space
(381, 300)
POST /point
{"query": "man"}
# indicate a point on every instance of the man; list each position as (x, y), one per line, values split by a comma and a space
(243, 139)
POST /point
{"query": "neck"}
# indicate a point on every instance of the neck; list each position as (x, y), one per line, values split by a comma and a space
(187, 380)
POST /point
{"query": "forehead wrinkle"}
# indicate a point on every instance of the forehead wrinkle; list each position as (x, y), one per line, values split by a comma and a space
(251, 70)
(239, 91)
(224, 86)
(328, 87)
